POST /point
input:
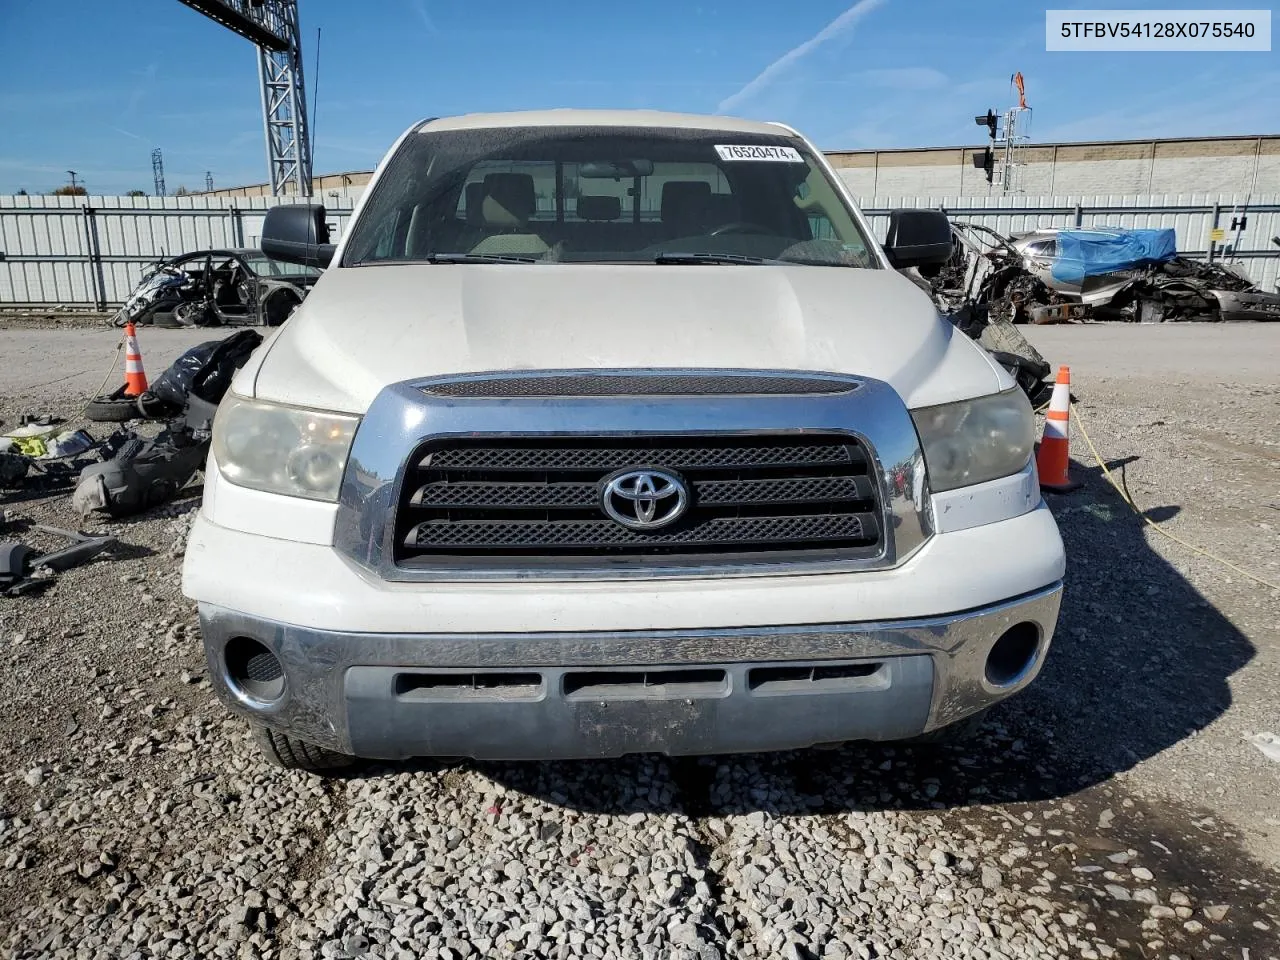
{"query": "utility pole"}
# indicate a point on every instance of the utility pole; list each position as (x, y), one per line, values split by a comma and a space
(272, 25)
(157, 171)
(73, 180)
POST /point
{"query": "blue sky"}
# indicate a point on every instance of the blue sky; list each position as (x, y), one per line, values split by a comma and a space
(93, 86)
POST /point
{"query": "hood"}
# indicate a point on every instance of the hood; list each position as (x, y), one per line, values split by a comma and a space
(362, 328)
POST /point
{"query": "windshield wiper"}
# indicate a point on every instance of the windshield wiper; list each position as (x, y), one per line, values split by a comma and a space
(475, 258)
(680, 257)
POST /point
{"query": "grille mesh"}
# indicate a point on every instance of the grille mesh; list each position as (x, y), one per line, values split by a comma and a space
(263, 667)
(541, 498)
(676, 457)
(586, 534)
(615, 385)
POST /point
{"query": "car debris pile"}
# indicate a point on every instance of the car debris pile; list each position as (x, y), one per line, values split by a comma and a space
(214, 288)
(128, 472)
(146, 472)
(1008, 347)
(43, 450)
(124, 474)
(1056, 276)
(994, 332)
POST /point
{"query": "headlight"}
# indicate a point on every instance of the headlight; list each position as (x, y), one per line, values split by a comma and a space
(279, 449)
(976, 440)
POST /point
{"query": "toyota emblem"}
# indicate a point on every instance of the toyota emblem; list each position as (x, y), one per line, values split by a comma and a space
(644, 499)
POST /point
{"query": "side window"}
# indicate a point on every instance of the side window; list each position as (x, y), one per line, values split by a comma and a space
(1045, 248)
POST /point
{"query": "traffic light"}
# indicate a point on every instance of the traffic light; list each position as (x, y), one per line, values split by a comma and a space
(985, 159)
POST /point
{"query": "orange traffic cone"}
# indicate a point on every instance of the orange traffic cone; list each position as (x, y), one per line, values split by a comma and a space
(135, 380)
(1054, 457)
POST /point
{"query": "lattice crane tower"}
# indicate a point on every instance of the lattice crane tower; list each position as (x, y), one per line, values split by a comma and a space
(272, 25)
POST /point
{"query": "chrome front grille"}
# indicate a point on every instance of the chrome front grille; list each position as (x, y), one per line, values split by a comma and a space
(520, 498)
(499, 476)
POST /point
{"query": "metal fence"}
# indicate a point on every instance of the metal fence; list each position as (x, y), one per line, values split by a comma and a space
(90, 251)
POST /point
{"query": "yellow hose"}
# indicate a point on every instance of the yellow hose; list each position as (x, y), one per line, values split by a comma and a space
(1075, 415)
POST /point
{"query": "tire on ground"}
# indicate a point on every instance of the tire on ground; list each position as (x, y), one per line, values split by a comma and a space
(294, 754)
(116, 408)
(107, 410)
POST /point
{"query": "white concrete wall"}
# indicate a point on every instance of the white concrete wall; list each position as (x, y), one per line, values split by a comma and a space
(1224, 166)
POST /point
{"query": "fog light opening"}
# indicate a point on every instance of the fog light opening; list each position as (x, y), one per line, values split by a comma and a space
(253, 670)
(1013, 654)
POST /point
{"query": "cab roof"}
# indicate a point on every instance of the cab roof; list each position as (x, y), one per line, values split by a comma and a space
(604, 118)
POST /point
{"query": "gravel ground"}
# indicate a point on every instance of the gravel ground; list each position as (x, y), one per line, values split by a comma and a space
(1116, 809)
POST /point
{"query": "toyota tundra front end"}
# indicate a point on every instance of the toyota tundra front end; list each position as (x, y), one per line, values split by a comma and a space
(606, 433)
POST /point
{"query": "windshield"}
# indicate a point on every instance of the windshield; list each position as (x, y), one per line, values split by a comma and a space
(612, 195)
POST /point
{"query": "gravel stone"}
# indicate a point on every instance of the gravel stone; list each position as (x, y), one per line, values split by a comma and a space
(136, 820)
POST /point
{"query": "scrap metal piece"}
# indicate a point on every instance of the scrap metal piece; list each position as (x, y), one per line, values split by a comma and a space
(14, 561)
(21, 571)
(1059, 313)
(1243, 305)
(82, 549)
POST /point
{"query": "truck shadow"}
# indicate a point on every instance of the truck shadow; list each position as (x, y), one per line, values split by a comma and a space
(1140, 661)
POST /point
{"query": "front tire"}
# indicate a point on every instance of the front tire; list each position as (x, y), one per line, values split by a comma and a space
(291, 753)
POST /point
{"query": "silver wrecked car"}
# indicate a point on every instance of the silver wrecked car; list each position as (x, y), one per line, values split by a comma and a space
(1174, 289)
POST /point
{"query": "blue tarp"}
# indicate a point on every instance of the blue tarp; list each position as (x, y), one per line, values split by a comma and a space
(1090, 253)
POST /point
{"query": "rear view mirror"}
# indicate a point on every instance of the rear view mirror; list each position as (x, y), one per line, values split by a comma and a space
(614, 170)
(918, 238)
(297, 233)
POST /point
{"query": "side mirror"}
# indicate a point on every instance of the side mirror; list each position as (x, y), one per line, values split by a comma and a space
(918, 238)
(297, 233)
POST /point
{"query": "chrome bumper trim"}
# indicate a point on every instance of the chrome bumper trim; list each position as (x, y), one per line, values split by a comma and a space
(317, 664)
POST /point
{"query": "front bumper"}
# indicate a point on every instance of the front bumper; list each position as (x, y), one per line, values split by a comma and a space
(585, 694)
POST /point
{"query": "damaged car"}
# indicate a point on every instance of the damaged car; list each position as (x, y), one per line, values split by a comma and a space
(1137, 275)
(1053, 275)
(212, 288)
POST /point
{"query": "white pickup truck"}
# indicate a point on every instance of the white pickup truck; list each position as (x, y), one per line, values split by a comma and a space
(613, 432)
